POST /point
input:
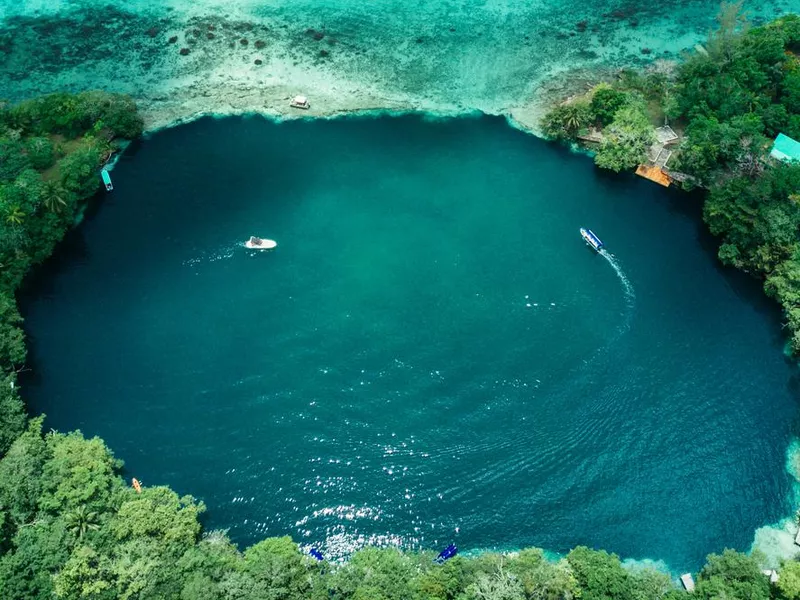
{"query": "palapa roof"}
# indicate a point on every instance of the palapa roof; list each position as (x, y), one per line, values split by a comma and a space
(785, 148)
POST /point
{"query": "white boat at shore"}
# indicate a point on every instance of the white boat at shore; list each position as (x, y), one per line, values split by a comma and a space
(300, 102)
(257, 243)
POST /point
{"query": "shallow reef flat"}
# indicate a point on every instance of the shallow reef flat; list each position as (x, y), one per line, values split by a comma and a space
(181, 59)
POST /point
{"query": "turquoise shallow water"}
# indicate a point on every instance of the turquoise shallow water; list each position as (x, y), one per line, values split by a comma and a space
(430, 355)
(497, 56)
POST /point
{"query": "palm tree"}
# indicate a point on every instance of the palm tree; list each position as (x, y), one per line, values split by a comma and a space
(15, 215)
(54, 197)
(574, 118)
(80, 521)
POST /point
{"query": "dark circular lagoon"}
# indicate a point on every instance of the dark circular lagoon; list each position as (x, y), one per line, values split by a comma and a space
(430, 355)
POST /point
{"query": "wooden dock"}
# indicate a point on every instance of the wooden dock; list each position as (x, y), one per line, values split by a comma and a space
(593, 136)
(688, 582)
(653, 173)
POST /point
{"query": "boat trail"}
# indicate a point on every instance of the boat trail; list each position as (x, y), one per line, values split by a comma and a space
(630, 293)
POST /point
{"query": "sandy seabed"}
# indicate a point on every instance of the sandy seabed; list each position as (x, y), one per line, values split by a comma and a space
(183, 59)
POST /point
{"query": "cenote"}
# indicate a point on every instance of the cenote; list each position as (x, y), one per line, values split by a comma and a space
(431, 354)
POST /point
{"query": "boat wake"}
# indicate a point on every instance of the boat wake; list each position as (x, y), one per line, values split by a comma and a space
(627, 287)
(630, 293)
(222, 253)
(592, 421)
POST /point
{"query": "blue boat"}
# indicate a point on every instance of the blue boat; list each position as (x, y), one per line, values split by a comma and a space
(448, 552)
(106, 180)
(591, 239)
(316, 554)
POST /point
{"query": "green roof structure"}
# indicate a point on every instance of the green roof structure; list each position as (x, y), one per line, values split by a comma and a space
(785, 149)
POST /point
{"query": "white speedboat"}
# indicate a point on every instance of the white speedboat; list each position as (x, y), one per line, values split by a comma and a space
(257, 243)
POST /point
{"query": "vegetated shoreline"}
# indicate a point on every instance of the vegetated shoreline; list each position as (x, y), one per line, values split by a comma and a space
(775, 541)
(154, 121)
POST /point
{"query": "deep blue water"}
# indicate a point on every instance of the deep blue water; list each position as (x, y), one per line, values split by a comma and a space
(430, 355)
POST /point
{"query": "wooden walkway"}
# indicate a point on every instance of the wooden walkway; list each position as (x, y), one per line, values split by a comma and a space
(688, 582)
(653, 173)
(595, 136)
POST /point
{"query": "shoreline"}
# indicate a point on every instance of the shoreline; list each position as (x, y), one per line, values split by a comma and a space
(524, 117)
(153, 127)
(211, 92)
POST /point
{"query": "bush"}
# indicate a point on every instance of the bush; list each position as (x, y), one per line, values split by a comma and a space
(40, 152)
(12, 412)
(600, 575)
(606, 101)
(74, 114)
(79, 170)
(626, 140)
(13, 159)
(565, 121)
(732, 575)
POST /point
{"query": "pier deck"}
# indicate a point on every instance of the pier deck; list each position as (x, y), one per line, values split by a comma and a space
(688, 582)
(653, 174)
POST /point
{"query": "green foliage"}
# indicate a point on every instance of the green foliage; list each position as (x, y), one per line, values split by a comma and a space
(626, 140)
(81, 521)
(79, 170)
(565, 121)
(214, 556)
(600, 575)
(158, 513)
(543, 579)
(85, 576)
(606, 102)
(376, 573)
(12, 341)
(40, 152)
(20, 474)
(732, 575)
(789, 581)
(40, 550)
(80, 472)
(497, 586)
(649, 584)
(278, 570)
(13, 159)
(74, 114)
(444, 582)
(12, 410)
(757, 220)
